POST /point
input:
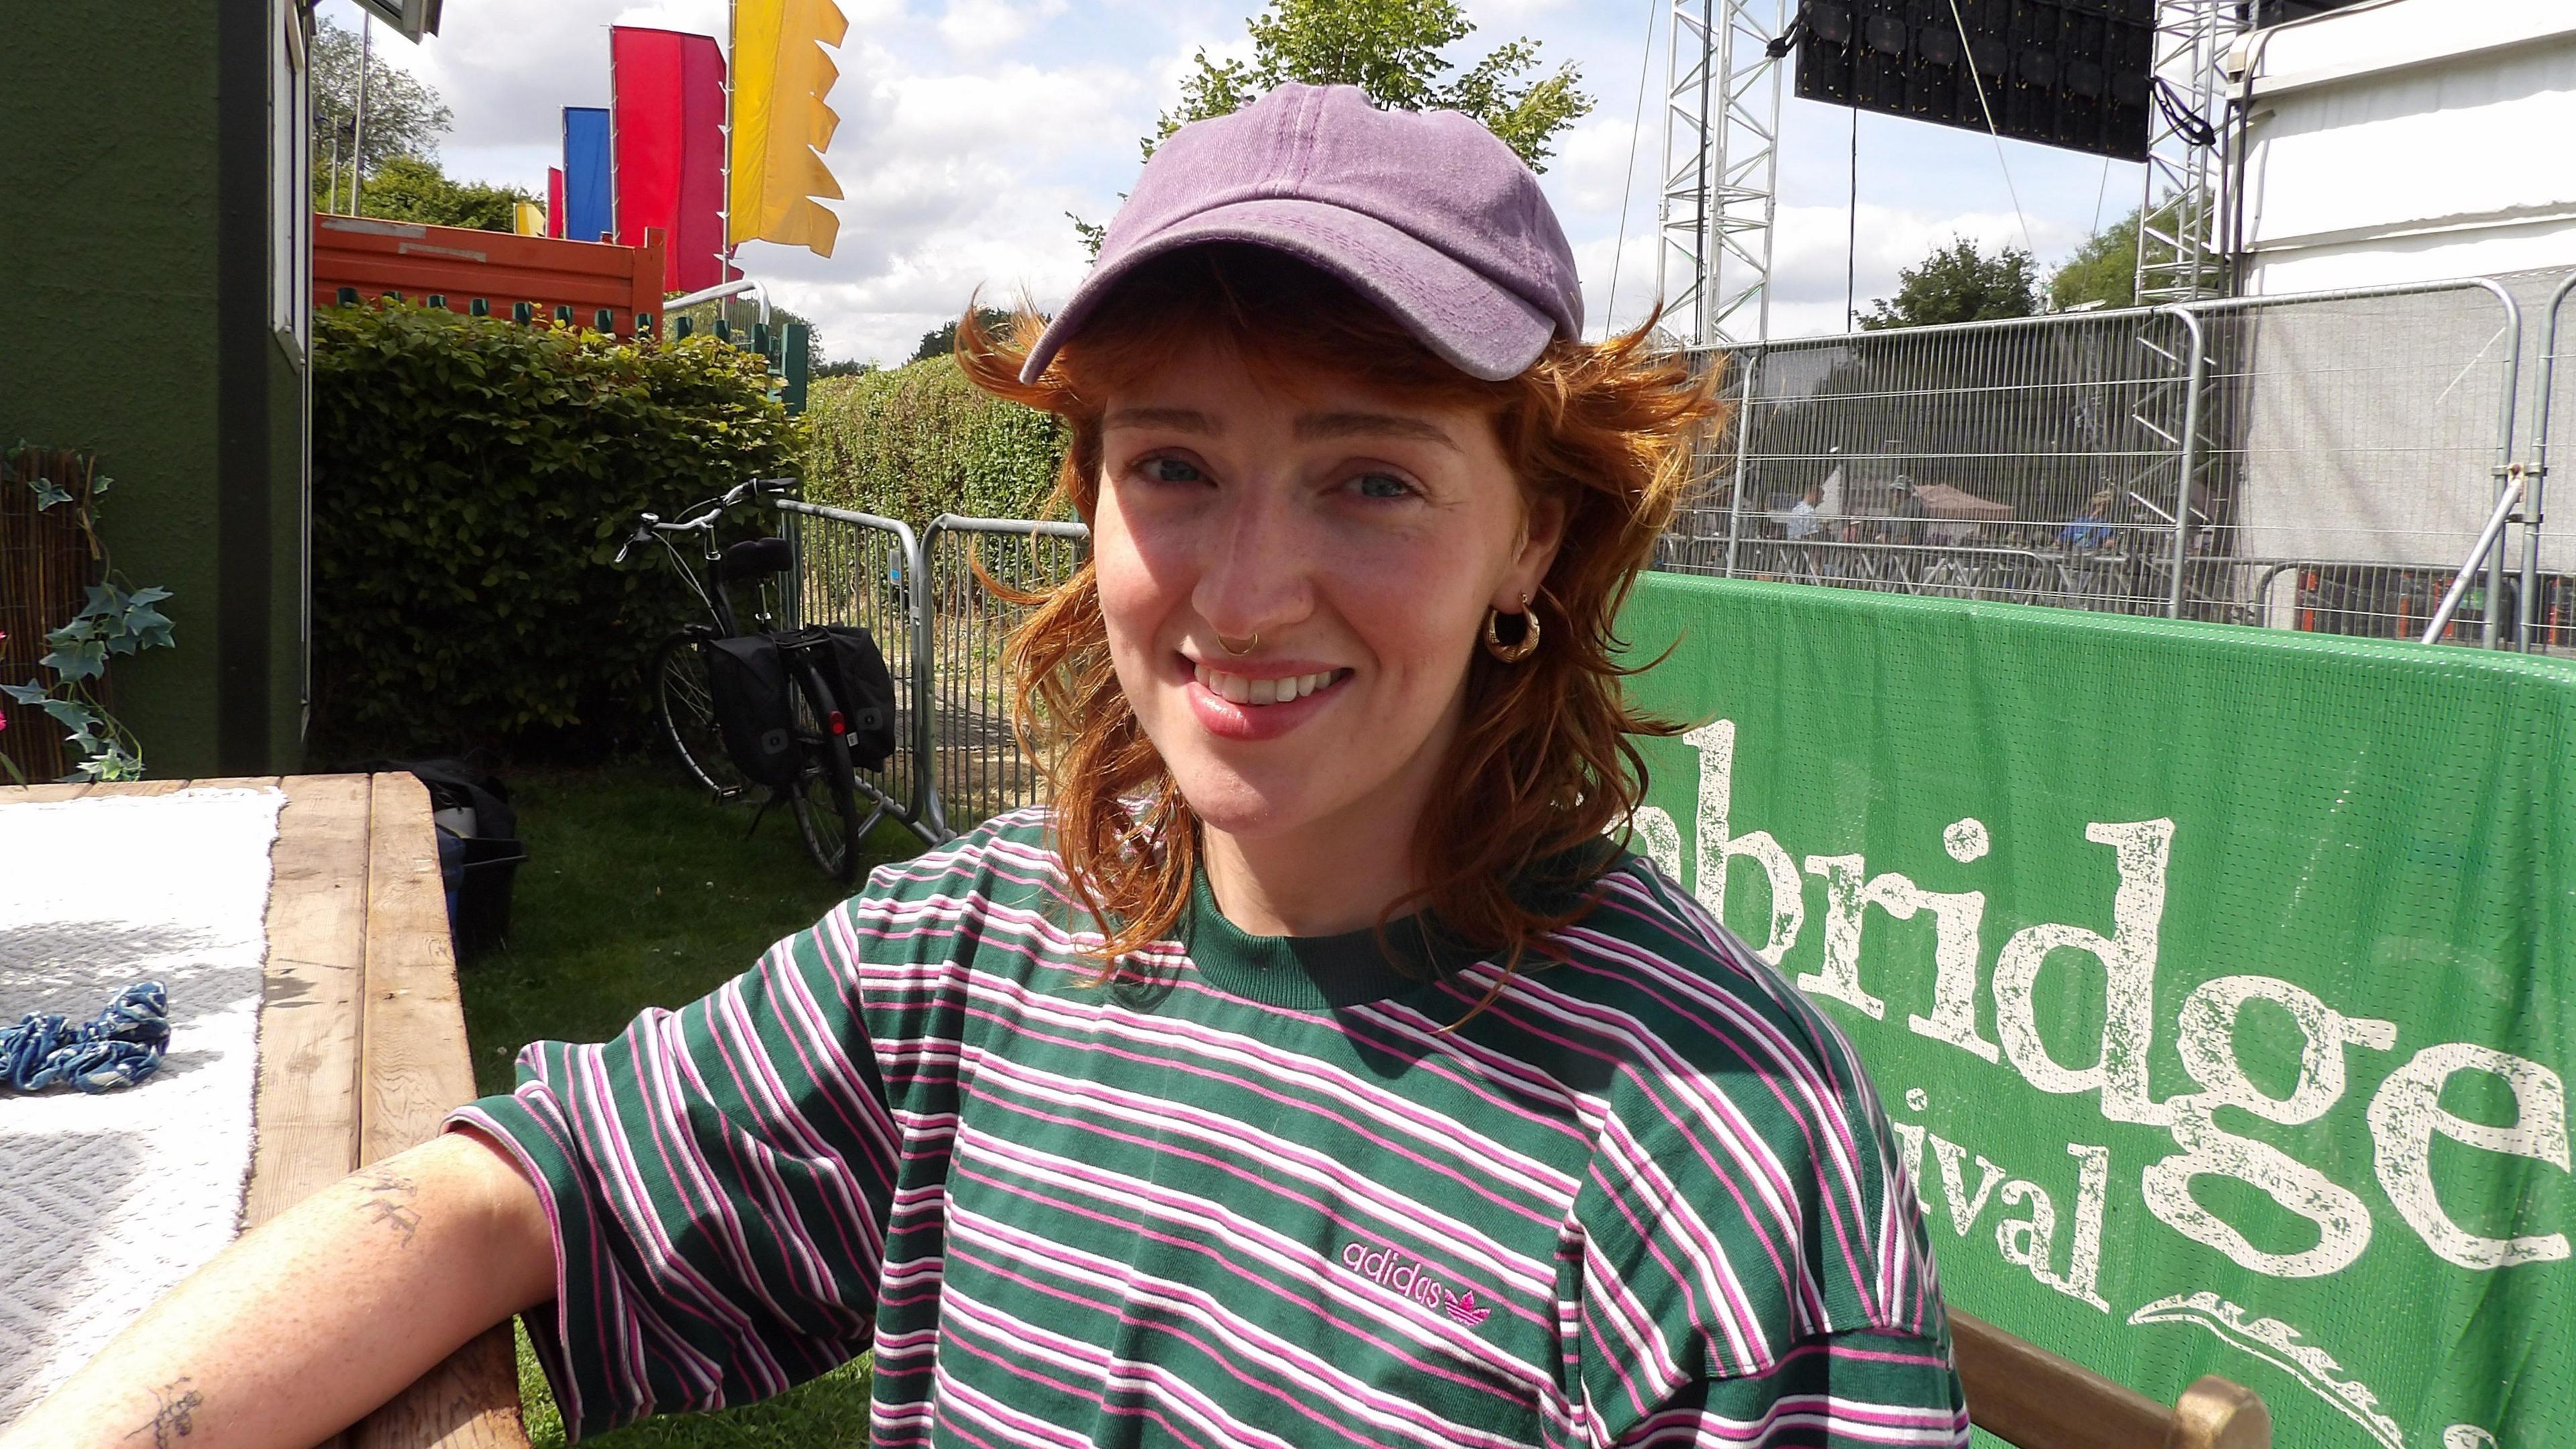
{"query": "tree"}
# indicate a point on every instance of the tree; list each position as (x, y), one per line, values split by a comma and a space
(942, 339)
(404, 117)
(1395, 51)
(1392, 49)
(1958, 283)
(2104, 269)
(410, 188)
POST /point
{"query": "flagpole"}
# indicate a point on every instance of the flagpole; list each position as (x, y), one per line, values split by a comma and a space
(733, 35)
(358, 135)
(613, 232)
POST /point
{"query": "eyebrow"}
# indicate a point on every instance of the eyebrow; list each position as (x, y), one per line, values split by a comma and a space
(1311, 427)
(1315, 426)
(1179, 420)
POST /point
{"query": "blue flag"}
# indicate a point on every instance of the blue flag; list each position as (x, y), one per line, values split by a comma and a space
(588, 210)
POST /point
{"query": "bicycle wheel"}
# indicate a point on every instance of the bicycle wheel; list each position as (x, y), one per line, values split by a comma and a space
(825, 797)
(684, 699)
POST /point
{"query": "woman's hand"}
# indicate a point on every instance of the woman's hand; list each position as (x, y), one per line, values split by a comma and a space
(302, 1325)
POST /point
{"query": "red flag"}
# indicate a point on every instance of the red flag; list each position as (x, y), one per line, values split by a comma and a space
(554, 201)
(667, 92)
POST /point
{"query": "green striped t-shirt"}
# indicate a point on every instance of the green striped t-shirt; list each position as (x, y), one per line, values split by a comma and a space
(1252, 1195)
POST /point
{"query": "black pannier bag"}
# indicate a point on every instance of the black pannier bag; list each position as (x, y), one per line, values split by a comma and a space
(748, 677)
(857, 674)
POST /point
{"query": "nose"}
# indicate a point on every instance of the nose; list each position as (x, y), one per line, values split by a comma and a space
(1258, 574)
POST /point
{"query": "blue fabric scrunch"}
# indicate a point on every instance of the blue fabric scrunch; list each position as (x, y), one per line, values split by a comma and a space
(119, 1048)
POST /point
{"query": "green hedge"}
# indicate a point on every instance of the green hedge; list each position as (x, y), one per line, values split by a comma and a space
(920, 441)
(470, 481)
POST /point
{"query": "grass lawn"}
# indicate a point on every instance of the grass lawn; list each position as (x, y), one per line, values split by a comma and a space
(638, 892)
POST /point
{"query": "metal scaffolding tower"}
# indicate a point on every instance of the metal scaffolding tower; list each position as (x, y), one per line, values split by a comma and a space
(1721, 168)
(2181, 254)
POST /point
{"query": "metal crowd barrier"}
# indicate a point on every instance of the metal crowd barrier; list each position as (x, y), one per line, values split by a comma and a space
(2322, 461)
(927, 602)
(857, 568)
(976, 765)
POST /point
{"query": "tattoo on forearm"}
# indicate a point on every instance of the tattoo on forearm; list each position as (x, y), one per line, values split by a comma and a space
(388, 1199)
(177, 1416)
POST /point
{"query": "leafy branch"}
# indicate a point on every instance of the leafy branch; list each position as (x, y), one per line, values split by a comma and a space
(115, 620)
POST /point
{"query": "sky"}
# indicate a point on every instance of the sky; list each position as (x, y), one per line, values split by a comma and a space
(969, 128)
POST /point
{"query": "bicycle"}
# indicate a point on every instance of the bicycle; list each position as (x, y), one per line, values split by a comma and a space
(824, 793)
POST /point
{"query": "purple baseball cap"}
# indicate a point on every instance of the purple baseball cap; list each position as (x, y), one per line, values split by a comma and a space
(1427, 214)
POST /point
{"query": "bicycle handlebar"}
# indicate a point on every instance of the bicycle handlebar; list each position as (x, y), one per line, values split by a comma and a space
(702, 515)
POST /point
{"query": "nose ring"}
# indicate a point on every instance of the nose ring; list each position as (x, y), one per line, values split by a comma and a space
(1248, 645)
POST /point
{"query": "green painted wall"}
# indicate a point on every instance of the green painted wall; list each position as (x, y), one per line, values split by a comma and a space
(108, 137)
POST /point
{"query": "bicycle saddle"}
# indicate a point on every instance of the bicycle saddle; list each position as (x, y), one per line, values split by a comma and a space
(755, 558)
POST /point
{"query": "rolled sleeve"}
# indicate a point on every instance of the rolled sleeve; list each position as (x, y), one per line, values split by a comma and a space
(718, 1180)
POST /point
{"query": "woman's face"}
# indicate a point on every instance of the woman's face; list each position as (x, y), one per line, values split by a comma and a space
(1356, 540)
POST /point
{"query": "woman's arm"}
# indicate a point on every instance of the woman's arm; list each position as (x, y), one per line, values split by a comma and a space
(303, 1325)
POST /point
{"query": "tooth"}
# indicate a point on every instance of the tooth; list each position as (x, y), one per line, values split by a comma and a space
(1308, 683)
(1235, 688)
(1265, 691)
(1298, 687)
(1318, 681)
(1200, 671)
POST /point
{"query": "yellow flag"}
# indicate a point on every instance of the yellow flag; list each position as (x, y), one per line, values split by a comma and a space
(529, 220)
(779, 77)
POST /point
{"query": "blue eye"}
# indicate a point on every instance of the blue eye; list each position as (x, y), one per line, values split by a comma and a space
(1172, 470)
(1382, 485)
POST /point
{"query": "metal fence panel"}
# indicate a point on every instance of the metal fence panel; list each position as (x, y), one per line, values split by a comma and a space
(857, 568)
(2350, 452)
(977, 768)
(2548, 602)
(2035, 460)
(2320, 462)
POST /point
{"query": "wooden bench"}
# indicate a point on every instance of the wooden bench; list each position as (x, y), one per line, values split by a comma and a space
(361, 1044)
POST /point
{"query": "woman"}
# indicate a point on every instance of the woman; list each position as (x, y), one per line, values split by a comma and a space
(1315, 1071)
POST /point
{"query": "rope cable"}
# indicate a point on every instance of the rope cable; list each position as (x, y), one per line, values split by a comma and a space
(1997, 136)
(1628, 187)
(1851, 233)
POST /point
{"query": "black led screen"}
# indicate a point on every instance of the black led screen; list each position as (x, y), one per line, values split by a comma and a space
(2070, 73)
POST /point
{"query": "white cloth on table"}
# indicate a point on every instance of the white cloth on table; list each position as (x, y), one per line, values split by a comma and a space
(110, 1200)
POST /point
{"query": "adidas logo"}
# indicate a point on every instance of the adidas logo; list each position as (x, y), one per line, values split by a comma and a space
(1408, 1278)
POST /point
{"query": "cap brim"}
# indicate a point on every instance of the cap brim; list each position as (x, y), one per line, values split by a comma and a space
(1483, 330)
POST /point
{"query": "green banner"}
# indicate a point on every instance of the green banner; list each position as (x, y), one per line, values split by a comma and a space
(2215, 979)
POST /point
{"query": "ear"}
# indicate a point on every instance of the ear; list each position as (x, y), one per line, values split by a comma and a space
(1542, 532)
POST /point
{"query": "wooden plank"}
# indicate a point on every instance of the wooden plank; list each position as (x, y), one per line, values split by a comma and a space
(309, 1002)
(414, 1067)
(2025, 1395)
(470, 1401)
(40, 794)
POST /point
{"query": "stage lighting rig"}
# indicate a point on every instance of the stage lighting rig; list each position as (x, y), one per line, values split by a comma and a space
(2074, 74)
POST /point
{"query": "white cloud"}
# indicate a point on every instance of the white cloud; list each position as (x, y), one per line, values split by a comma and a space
(982, 26)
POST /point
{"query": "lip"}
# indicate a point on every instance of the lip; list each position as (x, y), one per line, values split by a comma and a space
(1227, 720)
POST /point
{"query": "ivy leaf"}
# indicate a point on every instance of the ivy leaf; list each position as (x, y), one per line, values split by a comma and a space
(47, 495)
(24, 693)
(145, 626)
(75, 657)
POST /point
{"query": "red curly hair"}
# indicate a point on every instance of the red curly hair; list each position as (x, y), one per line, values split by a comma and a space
(1543, 762)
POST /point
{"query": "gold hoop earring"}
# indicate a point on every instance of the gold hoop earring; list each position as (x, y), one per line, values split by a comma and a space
(1248, 645)
(1528, 644)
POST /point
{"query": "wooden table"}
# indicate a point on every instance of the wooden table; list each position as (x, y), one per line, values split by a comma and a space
(361, 1044)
